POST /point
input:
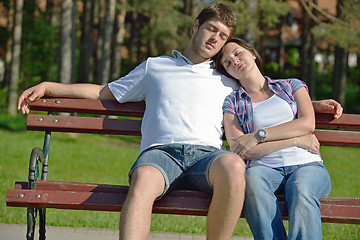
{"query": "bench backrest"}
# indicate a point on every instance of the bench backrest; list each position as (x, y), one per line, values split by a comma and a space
(97, 116)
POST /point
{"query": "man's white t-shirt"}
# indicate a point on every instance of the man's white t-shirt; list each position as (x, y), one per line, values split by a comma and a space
(183, 100)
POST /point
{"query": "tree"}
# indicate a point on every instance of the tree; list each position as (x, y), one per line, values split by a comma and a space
(9, 44)
(340, 66)
(307, 51)
(66, 43)
(344, 29)
(262, 13)
(343, 32)
(15, 64)
(118, 38)
(86, 47)
(106, 44)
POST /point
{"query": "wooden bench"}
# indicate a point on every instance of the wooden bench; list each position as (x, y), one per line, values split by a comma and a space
(37, 193)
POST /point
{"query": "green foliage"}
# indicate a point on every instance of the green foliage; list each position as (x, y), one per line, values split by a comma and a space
(271, 69)
(247, 21)
(39, 46)
(293, 57)
(167, 26)
(269, 14)
(272, 11)
(39, 52)
(3, 100)
(17, 123)
(344, 31)
(353, 75)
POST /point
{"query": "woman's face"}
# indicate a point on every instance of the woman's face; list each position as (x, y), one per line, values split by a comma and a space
(236, 60)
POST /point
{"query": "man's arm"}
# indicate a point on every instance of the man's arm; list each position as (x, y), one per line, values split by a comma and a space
(328, 106)
(52, 89)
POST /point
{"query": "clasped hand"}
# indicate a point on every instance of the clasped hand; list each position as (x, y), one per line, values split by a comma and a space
(243, 143)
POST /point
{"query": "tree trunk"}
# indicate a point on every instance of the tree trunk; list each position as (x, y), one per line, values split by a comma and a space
(191, 7)
(133, 38)
(106, 47)
(9, 44)
(340, 67)
(53, 10)
(339, 75)
(65, 71)
(86, 47)
(312, 69)
(312, 63)
(118, 38)
(281, 52)
(250, 35)
(15, 64)
(99, 40)
(73, 42)
(304, 46)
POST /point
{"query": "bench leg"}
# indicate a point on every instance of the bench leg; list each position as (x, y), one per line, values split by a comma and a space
(42, 221)
(36, 157)
(31, 222)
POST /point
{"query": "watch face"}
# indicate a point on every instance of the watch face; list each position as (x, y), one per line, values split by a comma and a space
(262, 133)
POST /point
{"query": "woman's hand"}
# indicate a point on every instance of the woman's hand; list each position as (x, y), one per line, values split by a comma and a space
(308, 142)
(243, 143)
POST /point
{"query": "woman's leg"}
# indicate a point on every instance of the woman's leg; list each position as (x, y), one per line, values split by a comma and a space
(303, 189)
(261, 208)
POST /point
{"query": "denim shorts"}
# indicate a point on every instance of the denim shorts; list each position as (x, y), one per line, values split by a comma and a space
(184, 166)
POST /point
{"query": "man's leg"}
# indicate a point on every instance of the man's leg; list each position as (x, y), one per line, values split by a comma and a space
(147, 183)
(227, 176)
(304, 188)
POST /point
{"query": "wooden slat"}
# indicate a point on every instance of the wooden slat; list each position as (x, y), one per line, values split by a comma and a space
(338, 138)
(346, 121)
(94, 106)
(344, 210)
(337, 210)
(58, 123)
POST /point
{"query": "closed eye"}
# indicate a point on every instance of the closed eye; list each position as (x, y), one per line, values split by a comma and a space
(226, 64)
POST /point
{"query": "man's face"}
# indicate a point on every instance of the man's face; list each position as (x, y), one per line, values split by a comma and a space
(209, 38)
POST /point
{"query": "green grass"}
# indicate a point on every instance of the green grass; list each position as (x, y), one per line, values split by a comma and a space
(107, 159)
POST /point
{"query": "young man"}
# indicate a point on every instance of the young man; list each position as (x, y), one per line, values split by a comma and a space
(181, 144)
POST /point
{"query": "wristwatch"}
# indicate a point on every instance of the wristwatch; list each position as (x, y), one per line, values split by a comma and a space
(261, 135)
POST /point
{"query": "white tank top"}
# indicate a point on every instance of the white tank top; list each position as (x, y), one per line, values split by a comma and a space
(272, 112)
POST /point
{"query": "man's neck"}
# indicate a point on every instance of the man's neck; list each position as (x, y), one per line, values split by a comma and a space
(194, 58)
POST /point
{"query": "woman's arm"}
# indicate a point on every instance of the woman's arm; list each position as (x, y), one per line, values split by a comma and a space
(308, 142)
(233, 130)
(303, 124)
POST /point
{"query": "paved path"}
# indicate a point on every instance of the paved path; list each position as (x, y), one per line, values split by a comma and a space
(17, 232)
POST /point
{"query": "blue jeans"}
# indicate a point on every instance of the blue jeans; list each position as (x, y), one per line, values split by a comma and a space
(302, 185)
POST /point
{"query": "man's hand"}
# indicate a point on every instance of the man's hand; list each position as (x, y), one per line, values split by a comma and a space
(328, 106)
(29, 96)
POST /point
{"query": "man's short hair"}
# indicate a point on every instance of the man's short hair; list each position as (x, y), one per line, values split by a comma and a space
(221, 12)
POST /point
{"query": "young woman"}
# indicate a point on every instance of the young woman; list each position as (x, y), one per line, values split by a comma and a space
(269, 122)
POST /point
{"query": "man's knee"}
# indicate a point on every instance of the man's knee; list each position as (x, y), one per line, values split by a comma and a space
(147, 180)
(228, 167)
